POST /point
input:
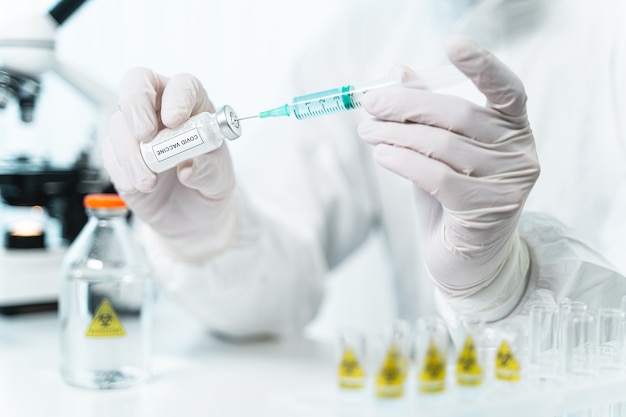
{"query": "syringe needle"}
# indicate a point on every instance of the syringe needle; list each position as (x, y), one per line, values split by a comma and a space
(247, 117)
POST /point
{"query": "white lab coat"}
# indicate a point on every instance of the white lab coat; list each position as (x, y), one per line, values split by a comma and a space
(311, 193)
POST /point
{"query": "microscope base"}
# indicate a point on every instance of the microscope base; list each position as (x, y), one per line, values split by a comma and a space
(29, 280)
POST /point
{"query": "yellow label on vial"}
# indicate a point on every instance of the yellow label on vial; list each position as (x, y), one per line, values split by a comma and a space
(390, 378)
(507, 367)
(105, 322)
(351, 374)
(468, 370)
(432, 377)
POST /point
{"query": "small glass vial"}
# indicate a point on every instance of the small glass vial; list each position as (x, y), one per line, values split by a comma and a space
(471, 352)
(199, 135)
(431, 354)
(508, 360)
(351, 364)
(106, 301)
(393, 360)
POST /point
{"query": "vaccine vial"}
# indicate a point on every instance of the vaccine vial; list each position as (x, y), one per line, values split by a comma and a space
(106, 301)
(199, 135)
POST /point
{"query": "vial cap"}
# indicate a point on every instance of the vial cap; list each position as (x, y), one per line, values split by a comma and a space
(103, 201)
(228, 122)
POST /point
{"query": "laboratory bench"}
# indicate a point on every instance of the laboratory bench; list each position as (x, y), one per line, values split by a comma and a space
(195, 373)
(199, 374)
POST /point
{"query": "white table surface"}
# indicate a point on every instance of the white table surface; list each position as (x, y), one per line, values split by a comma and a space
(196, 374)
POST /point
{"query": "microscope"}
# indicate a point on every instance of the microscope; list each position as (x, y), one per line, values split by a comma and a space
(41, 202)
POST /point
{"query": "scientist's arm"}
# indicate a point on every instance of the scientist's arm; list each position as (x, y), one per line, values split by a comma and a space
(473, 167)
(242, 273)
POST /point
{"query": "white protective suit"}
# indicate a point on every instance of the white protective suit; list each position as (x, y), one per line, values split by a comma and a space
(306, 208)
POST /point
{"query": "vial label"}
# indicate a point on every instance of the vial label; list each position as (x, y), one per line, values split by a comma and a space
(105, 322)
(177, 144)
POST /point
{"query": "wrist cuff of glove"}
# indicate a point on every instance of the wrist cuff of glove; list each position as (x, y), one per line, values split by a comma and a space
(499, 295)
(203, 245)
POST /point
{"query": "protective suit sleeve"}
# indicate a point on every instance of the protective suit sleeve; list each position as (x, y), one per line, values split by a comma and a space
(562, 265)
(251, 289)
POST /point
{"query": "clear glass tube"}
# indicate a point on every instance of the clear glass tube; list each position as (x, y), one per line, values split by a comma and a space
(431, 354)
(393, 360)
(578, 345)
(351, 359)
(610, 338)
(542, 342)
(566, 308)
(509, 360)
(472, 352)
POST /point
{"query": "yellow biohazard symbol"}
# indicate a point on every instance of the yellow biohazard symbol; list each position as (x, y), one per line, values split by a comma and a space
(432, 377)
(390, 378)
(507, 367)
(468, 370)
(350, 372)
(105, 322)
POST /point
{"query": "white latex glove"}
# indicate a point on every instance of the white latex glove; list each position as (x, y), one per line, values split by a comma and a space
(473, 167)
(190, 207)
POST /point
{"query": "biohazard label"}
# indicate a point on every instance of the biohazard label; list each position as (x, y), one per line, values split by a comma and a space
(432, 377)
(350, 372)
(468, 369)
(507, 367)
(390, 378)
(105, 322)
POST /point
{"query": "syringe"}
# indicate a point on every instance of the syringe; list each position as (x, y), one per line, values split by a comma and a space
(348, 97)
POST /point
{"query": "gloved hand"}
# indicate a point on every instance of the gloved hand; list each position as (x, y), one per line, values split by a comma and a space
(190, 207)
(473, 167)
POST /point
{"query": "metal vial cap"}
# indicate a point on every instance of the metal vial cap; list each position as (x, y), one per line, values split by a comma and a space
(228, 122)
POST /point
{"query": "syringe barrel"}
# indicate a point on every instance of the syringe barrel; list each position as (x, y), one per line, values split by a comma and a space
(335, 100)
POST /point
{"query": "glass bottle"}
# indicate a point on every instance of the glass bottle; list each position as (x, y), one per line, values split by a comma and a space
(106, 301)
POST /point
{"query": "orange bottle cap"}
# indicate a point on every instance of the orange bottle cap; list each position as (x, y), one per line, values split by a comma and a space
(103, 201)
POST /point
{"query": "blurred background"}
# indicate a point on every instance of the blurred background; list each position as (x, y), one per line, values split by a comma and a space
(242, 50)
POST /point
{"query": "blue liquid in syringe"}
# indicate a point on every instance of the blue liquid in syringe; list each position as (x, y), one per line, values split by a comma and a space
(329, 101)
(325, 102)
